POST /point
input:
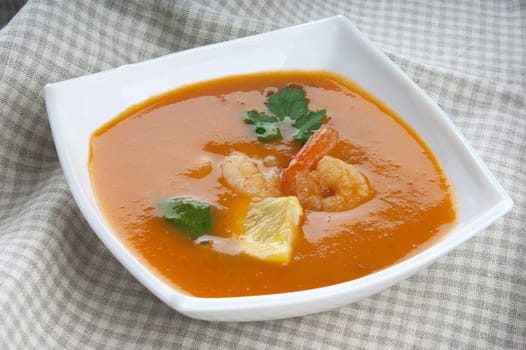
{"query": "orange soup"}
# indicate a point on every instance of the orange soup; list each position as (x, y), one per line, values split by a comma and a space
(178, 145)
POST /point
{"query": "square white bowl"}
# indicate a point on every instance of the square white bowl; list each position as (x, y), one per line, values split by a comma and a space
(77, 107)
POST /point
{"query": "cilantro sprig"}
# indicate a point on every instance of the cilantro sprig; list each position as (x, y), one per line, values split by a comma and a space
(307, 124)
(192, 217)
(290, 103)
(265, 126)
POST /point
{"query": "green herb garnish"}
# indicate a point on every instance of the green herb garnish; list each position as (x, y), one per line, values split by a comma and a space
(192, 217)
(264, 126)
(306, 124)
(291, 103)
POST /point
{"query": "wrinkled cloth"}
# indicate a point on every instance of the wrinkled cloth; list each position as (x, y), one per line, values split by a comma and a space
(61, 288)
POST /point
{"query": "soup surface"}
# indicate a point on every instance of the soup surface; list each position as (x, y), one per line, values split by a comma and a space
(173, 145)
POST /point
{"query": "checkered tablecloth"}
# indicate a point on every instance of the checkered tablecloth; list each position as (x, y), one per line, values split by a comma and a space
(61, 288)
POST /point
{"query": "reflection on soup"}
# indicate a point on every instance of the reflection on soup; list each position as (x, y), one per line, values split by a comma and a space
(267, 183)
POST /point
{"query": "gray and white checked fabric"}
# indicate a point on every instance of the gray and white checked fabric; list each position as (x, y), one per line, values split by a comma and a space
(59, 286)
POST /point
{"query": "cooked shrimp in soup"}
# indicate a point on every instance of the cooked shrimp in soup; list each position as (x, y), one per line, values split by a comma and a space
(243, 175)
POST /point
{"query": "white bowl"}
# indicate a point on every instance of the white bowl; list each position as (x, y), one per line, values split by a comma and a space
(79, 106)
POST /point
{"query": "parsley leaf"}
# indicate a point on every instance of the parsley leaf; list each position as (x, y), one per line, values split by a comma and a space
(265, 126)
(289, 102)
(192, 217)
(306, 124)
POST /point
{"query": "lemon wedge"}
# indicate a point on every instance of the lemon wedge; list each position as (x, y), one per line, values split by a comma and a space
(271, 226)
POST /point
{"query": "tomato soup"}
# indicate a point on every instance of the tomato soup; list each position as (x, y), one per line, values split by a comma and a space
(173, 145)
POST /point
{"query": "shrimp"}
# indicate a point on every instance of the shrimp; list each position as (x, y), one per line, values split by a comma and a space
(346, 186)
(318, 145)
(322, 182)
(243, 175)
